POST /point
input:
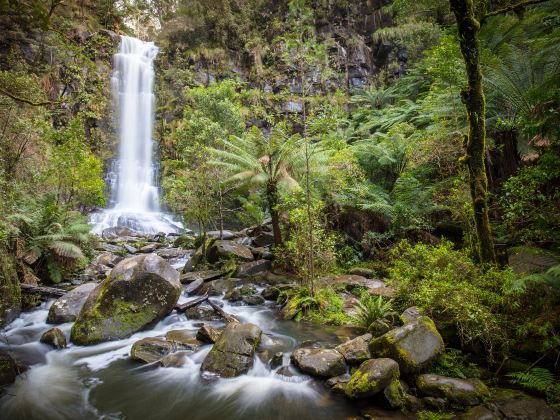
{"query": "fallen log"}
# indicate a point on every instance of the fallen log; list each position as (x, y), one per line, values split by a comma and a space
(45, 291)
(229, 318)
(191, 304)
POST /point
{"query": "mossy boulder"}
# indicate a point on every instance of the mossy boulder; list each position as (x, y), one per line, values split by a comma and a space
(152, 349)
(395, 394)
(8, 369)
(253, 268)
(233, 353)
(372, 377)
(319, 362)
(54, 338)
(465, 392)
(356, 351)
(222, 249)
(139, 291)
(413, 346)
(67, 307)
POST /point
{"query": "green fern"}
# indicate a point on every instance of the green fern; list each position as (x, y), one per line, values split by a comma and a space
(550, 277)
(371, 308)
(536, 379)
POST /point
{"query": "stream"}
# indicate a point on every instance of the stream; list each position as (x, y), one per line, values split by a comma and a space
(101, 382)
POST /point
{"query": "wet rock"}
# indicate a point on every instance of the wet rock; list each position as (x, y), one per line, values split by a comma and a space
(176, 359)
(194, 287)
(208, 334)
(355, 351)
(203, 313)
(184, 337)
(319, 362)
(67, 307)
(458, 391)
(116, 232)
(362, 271)
(379, 327)
(414, 345)
(253, 300)
(237, 294)
(372, 377)
(276, 360)
(152, 247)
(395, 394)
(8, 369)
(139, 291)
(435, 403)
(169, 253)
(226, 234)
(114, 249)
(206, 275)
(411, 314)
(516, 405)
(338, 383)
(253, 268)
(475, 413)
(149, 350)
(262, 253)
(107, 259)
(54, 338)
(232, 355)
(271, 293)
(228, 250)
(285, 371)
(263, 239)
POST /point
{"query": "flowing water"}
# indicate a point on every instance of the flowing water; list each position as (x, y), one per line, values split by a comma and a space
(133, 176)
(102, 382)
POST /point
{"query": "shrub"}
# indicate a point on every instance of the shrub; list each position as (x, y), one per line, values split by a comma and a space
(456, 364)
(448, 286)
(371, 308)
(325, 307)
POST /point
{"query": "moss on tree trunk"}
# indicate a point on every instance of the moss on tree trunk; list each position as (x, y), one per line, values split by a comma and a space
(475, 143)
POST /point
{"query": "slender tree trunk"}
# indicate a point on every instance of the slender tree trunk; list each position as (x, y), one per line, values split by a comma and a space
(272, 198)
(475, 143)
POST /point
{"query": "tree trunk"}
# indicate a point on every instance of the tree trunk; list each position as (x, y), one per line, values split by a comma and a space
(272, 198)
(475, 143)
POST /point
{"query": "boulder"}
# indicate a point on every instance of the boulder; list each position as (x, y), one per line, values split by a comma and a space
(253, 300)
(262, 253)
(372, 377)
(169, 253)
(338, 383)
(228, 250)
(285, 371)
(67, 307)
(520, 406)
(411, 314)
(152, 349)
(117, 232)
(106, 259)
(414, 345)
(263, 239)
(276, 360)
(226, 234)
(271, 293)
(319, 362)
(8, 369)
(54, 338)
(253, 268)
(130, 249)
(152, 247)
(184, 337)
(232, 355)
(208, 334)
(368, 273)
(355, 351)
(237, 294)
(465, 392)
(203, 313)
(139, 291)
(395, 394)
(206, 275)
(176, 359)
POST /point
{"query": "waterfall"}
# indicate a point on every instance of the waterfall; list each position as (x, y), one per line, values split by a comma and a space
(133, 176)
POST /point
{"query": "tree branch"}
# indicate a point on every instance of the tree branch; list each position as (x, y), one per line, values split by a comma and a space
(25, 101)
(510, 8)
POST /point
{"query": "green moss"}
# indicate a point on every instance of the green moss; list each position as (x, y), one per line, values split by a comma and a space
(395, 394)
(358, 385)
(10, 292)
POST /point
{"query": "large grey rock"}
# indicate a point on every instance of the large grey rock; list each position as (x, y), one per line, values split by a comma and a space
(67, 307)
(206, 275)
(228, 250)
(372, 376)
(253, 268)
(233, 353)
(319, 362)
(356, 351)
(458, 391)
(54, 338)
(139, 291)
(263, 239)
(414, 345)
(152, 349)
(516, 405)
(203, 313)
(151, 247)
(208, 334)
(169, 253)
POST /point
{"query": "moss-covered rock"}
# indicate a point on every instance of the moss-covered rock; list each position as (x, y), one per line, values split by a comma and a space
(319, 362)
(356, 351)
(414, 346)
(8, 369)
(222, 249)
(66, 308)
(395, 394)
(152, 349)
(54, 338)
(465, 392)
(10, 292)
(139, 291)
(233, 353)
(372, 377)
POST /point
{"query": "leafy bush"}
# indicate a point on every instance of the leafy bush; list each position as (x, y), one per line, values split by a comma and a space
(455, 363)
(448, 286)
(371, 308)
(325, 307)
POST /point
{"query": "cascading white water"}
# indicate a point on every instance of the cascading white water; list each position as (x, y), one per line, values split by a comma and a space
(134, 191)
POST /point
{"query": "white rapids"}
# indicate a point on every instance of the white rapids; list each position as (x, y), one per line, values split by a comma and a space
(135, 201)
